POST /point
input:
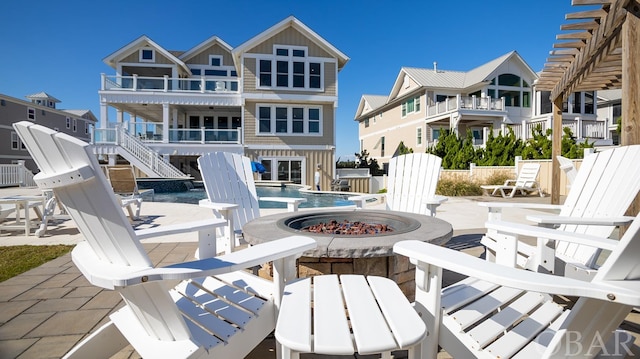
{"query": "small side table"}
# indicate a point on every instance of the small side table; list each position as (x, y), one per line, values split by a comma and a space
(343, 315)
(23, 203)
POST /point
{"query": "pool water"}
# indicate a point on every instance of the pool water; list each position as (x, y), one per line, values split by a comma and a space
(313, 200)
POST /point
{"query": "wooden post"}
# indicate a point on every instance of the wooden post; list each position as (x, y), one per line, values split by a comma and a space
(630, 133)
(556, 150)
(631, 76)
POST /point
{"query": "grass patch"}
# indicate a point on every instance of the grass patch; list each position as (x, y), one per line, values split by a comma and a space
(19, 259)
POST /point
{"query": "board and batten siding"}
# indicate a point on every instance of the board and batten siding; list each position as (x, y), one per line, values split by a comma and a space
(134, 57)
(290, 37)
(311, 157)
(203, 57)
(251, 137)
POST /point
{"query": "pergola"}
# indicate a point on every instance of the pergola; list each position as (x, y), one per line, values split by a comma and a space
(600, 50)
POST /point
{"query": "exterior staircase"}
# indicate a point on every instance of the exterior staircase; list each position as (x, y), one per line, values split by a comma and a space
(119, 141)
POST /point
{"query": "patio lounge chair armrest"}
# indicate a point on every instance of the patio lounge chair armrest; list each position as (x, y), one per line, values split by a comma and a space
(218, 206)
(178, 228)
(292, 203)
(495, 208)
(361, 199)
(422, 254)
(551, 234)
(600, 221)
(437, 199)
(540, 206)
(112, 276)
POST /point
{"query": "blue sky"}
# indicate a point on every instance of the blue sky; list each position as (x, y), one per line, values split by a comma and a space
(58, 46)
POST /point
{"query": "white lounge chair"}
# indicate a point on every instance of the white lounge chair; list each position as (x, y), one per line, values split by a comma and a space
(603, 189)
(525, 183)
(205, 308)
(502, 312)
(231, 191)
(411, 184)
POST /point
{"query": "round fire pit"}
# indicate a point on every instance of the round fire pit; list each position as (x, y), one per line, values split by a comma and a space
(406, 226)
(369, 254)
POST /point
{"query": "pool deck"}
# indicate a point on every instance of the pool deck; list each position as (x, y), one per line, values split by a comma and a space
(47, 310)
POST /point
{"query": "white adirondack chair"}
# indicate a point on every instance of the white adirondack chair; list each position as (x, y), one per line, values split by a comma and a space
(411, 184)
(525, 183)
(231, 191)
(605, 186)
(209, 307)
(569, 169)
(502, 312)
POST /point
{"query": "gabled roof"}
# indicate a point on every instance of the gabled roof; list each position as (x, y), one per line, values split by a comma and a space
(369, 103)
(42, 95)
(142, 41)
(290, 21)
(436, 78)
(203, 45)
(86, 114)
(483, 72)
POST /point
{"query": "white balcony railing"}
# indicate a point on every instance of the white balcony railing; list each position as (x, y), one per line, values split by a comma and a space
(167, 84)
(16, 175)
(465, 102)
(580, 128)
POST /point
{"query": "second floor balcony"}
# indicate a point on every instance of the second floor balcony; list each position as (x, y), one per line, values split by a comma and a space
(151, 133)
(137, 83)
(462, 103)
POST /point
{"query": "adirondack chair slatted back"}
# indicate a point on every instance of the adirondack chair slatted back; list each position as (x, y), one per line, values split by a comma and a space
(605, 186)
(96, 213)
(527, 175)
(412, 178)
(595, 319)
(70, 168)
(228, 178)
(567, 166)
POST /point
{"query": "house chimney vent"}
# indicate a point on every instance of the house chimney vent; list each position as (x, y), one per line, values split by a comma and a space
(435, 67)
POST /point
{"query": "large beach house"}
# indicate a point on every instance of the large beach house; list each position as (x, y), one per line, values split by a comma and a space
(272, 98)
(490, 97)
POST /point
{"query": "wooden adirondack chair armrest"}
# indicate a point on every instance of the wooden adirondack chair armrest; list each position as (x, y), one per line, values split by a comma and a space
(361, 199)
(424, 254)
(510, 228)
(112, 276)
(292, 203)
(218, 206)
(195, 226)
(600, 221)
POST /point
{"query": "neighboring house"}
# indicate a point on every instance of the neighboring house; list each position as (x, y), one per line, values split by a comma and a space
(41, 109)
(610, 110)
(497, 94)
(272, 98)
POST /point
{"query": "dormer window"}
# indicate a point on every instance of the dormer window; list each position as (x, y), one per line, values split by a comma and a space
(147, 55)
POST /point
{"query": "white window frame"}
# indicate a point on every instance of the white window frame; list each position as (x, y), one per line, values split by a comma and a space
(290, 59)
(404, 107)
(68, 123)
(141, 52)
(75, 125)
(305, 118)
(219, 57)
(31, 113)
(15, 141)
(419, 137)
(274, 164)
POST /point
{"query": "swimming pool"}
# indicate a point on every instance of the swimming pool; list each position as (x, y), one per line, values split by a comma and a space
(314, 200)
